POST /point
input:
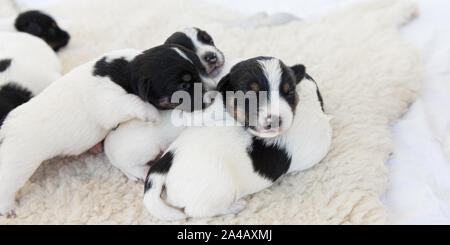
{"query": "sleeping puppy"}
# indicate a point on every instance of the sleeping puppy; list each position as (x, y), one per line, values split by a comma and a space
(135, 143)
(38, 24)
(79, 109)
(208, 179)
(203, 45)
(23, 75)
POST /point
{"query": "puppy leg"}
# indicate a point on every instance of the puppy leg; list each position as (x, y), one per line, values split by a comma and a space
(136, 172)
(16, 167)
(131, 147)
(136, 108)
(214, 203)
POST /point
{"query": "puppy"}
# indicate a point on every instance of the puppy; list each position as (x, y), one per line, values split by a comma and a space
(203, 45)
(38, 24)
(79, 109)
(207, 170)
(27, 62)
(135, 143)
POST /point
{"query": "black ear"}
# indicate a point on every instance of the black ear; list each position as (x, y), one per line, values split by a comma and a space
(299, 72)
(33, 29)
(144, 87)
(223, 83)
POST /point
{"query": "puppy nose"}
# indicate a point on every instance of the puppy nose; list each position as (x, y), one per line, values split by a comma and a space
(210, 57)
(272, 122)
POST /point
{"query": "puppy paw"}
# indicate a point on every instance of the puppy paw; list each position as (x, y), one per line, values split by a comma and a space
(148, 113)
(8, 212)
(152, 114)
(137, 173)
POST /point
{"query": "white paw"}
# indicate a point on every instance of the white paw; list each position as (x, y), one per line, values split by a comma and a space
(152, 114)
(8, 211)
(137, 173)
(236, 207)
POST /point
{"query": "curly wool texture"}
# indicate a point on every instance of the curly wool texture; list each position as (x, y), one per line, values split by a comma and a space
(367, 74)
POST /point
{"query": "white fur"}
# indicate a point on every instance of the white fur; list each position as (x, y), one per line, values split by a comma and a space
(34, 64)
(211, 170)
(70, 116)
(135, 143)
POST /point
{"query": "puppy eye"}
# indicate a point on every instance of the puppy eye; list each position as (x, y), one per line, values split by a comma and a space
(207, 39)
(186, 77)
(291, 91)
(255, 86)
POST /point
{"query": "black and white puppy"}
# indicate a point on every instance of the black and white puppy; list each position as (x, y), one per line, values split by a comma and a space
(203, 45)
(79, 109)
(207, 179)
(136, 143)
(27, 62)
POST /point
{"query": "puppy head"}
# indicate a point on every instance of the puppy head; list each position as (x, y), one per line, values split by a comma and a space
(43, 26)
(201, 43)
(169, 77)
(261, 94)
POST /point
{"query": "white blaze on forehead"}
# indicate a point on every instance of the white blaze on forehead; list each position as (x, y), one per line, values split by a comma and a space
(201, 48)
(191, 32)
(277, 106)
(182, 54)
(272, 71)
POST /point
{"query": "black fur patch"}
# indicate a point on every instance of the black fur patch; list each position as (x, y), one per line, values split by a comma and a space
(11, 96)
(148, 185)
(204, 37)
(158, 73)
(289, 78)
(181, 39)
(116, 70)
(317, 91)
(43, 26)
(4, 64)
(162, 166)
(269, 161)
(155, 75)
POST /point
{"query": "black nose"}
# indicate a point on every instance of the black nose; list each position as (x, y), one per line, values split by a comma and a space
(210, 57)
(273, 122)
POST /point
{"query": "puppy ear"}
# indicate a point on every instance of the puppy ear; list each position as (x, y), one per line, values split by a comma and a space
(223, 83)
(144, 87)
(299, 72)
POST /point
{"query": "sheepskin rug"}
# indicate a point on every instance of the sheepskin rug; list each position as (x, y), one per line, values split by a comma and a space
(7, 8)
(368, 76)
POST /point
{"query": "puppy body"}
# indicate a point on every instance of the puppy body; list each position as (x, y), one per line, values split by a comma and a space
(78, 110)
(27, 62)
(134, 144)
(32, 64)
(208, 179)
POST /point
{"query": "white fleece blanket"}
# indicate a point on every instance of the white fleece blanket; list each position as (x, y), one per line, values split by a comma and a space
(368, 76)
